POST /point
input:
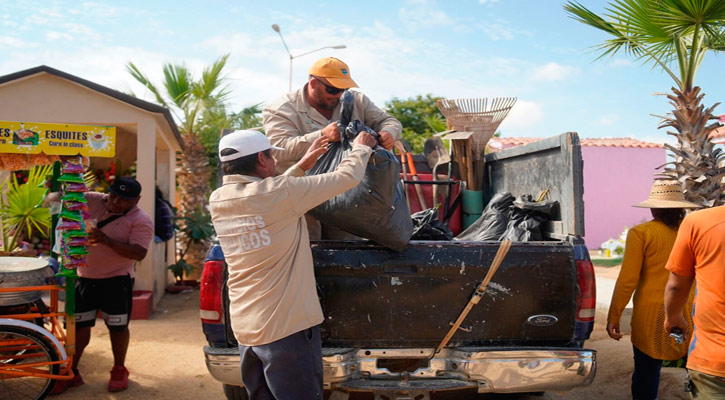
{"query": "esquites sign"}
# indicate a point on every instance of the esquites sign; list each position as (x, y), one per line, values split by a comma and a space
(57, 139)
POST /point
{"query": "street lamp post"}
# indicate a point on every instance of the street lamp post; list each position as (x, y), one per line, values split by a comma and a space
(275, 27)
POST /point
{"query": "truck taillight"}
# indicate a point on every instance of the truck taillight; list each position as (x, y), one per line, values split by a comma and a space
(587, 301)
(210, 296)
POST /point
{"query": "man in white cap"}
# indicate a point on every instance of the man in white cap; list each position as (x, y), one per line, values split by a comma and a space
(259, 220)
(295, 120)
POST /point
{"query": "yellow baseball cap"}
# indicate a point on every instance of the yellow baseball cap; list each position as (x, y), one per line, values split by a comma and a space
(335, 71)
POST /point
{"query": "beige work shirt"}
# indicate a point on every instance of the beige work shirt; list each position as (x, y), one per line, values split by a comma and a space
(262, 231)
(293, 124)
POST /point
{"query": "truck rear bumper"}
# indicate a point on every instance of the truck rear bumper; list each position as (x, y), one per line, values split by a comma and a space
(487, 369)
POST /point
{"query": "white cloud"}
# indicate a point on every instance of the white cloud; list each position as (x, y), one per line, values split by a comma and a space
(102, 65)
(423, 13)
(8, 41)
(553, 72)
(9, 22)
(608, 119)
(522, 117)
(498, 30)
(98, 10)
(53, 35)
(489, 2)
(82, 31)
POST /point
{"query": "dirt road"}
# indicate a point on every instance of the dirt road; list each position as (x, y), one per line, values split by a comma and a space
(165, 357)
(167, 363)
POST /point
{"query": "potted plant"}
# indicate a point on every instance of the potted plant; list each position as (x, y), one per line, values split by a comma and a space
(197, 228)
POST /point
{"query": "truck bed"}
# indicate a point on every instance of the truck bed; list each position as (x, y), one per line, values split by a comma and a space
(373, 297)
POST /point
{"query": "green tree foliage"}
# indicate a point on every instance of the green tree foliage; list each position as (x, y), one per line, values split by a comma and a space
(216, 119)
(420, 118)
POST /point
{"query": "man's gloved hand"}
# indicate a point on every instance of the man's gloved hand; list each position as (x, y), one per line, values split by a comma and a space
(386, 140)
(331, 132)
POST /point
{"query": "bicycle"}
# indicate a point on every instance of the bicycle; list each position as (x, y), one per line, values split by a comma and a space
(35, 350)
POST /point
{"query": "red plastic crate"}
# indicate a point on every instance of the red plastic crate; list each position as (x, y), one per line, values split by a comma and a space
(143, 304)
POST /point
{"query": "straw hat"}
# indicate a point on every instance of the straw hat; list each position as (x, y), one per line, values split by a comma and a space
(666, 194)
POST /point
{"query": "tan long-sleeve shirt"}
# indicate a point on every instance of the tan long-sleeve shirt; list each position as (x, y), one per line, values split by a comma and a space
(261, 229)
(292, 123)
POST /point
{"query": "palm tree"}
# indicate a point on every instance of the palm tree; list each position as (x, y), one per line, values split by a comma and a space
(189, 99)
(673, 35)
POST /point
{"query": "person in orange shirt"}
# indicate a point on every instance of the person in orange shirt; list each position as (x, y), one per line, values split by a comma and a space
(643, 273)
(699, 255)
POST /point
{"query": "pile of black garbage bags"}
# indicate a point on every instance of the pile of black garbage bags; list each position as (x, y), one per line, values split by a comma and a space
(507, 218)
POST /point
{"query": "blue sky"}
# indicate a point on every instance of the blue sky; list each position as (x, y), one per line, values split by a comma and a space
(455, 49)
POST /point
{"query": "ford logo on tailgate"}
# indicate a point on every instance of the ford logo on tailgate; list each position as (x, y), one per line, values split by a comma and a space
(542, 320)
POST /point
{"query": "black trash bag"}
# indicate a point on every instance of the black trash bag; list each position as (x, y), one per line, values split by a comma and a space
(347, 127)
(527, 203)
(527, 218)
(427, 226)
(348, 105)
(375, 209)
(493, 221)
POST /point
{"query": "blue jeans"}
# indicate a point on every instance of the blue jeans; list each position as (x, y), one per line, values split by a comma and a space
(287, 369)
(646, 376)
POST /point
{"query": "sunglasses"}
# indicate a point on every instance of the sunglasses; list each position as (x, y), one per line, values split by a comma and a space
(330, 89)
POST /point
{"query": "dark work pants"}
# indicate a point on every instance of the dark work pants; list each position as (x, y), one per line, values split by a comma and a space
(646, 376)
(286, 369)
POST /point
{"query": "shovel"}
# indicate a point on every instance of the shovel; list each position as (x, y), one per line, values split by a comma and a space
(436, 155)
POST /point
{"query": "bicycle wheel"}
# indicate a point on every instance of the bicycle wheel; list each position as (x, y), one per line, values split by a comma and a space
(21, 346)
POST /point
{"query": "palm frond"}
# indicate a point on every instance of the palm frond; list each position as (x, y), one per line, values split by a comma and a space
(178, 82)
(142, 79)
(212, 84)
(633, 30)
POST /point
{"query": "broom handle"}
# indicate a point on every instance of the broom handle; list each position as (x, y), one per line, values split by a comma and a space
(401, 150)
(418, 190)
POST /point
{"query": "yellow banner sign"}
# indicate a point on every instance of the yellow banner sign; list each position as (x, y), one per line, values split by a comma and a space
(57, 139)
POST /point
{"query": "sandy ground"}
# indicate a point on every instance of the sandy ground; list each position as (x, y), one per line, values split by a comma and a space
(166, 361)
(165, 357)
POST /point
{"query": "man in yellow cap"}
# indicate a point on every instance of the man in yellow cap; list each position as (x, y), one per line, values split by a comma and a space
(295, 120)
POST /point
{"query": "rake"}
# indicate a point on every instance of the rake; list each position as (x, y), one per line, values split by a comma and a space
(481, 117)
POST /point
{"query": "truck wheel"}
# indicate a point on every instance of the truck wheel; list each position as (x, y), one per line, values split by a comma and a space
(235, 392)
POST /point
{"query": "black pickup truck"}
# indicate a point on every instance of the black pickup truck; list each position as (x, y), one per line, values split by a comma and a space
(385, 312)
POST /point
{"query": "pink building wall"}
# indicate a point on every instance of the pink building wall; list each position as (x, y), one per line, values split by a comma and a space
(614, 179)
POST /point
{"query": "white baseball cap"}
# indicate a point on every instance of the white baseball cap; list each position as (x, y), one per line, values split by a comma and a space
(245, 142)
